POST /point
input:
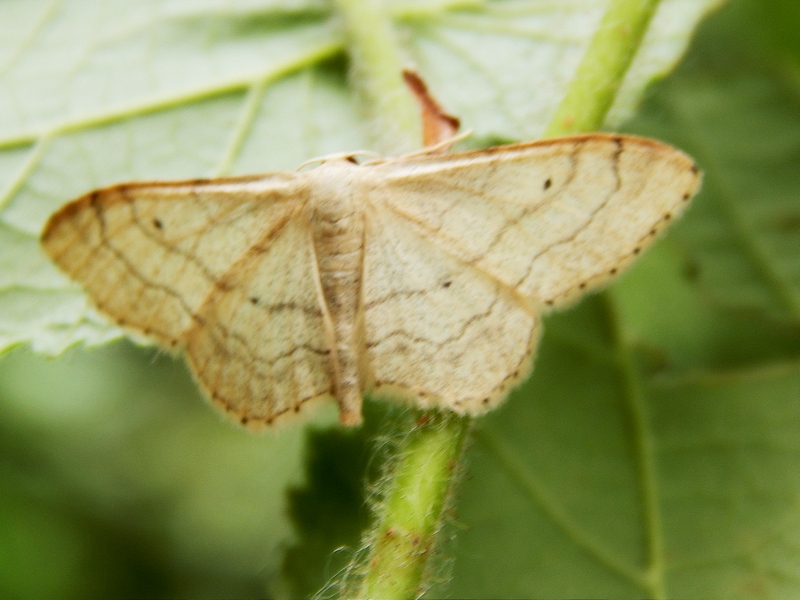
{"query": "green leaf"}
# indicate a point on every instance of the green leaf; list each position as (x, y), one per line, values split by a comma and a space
(93, 93)
(131, 485)
(651, 455)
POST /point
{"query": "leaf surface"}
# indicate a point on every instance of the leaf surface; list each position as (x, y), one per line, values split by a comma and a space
(93, 93)
(652, 454)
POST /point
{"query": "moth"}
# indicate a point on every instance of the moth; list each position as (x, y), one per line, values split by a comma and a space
(423, 277)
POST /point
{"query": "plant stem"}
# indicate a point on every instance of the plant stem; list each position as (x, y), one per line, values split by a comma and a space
(589, 97)
(375, 72)
(410, 515)
(643, 451)
(418, 482)
(602, 69)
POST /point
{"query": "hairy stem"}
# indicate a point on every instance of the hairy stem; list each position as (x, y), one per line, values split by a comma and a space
(418, 480)
(410, 515)
(602, 69)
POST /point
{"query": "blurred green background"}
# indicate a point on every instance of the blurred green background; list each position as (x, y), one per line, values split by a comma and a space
(118, 480)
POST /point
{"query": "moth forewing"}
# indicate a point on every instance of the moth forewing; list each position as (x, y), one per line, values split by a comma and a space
(550, 219)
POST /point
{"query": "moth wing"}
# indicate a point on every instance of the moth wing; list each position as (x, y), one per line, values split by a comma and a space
(438, 331)
(261, 343)
(549, 219)
(148, 255)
